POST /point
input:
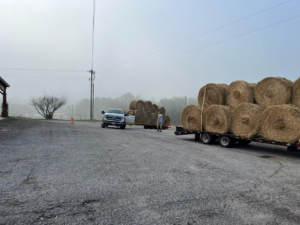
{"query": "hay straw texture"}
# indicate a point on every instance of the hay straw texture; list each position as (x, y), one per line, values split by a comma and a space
(296, 93)
(132, 105)
(148, 106)
(166, 120)
(139, 116)
(154, 118)
(147, 118)
(239, 92)
(154, 109)
(273, 91)
(217, 118)
(246, 120)
(140, 105)
(281, 123)
(162, 110)
(126, 110)
(215, 95)
(191, 118)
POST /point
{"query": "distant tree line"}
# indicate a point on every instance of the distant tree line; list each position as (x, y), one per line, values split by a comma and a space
(173, 106)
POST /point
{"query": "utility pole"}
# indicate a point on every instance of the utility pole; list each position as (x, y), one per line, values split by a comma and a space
(92, 94)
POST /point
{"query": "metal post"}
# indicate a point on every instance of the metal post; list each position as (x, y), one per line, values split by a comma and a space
(93, 100)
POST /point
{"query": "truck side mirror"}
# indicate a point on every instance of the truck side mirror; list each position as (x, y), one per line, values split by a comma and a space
(103, 112)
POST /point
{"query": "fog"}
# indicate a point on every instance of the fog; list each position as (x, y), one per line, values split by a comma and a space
(81, 109)
(156, 50)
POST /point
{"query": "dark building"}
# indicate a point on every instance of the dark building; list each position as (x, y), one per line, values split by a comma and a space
(3, 86)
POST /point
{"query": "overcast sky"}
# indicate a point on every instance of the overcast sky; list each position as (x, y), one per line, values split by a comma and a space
(57, 34)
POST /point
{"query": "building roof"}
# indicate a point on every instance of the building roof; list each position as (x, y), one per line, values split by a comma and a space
(4, 82)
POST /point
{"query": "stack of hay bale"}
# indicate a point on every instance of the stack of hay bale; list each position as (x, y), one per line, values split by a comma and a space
(146, 113)
(269, 109)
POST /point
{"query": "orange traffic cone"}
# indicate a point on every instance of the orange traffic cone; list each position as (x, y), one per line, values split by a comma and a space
(72, 120)
(169, 127)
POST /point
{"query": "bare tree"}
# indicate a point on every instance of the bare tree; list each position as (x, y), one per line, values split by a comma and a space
(47, 104)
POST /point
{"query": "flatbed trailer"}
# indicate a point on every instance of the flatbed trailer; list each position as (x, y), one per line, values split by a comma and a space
(227, 140)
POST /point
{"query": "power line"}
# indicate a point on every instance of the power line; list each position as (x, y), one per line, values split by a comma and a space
(207, 46)
(45, 70)
(205, 33)
(43, 77)
(101, 88)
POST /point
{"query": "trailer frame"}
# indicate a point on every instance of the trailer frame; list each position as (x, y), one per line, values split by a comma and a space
(292, 147)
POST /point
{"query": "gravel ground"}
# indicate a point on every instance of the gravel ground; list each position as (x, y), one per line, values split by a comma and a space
(52, 172)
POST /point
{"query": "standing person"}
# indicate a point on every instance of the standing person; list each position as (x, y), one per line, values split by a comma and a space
(159, 121)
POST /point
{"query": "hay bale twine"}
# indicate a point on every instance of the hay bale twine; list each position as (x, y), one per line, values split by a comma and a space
(191, 118)
(239, 92)
(217, 118)
(148, 118)
(162, 110)
(167, 120)
(273, 91)
(246, 120)
(140, 105)
(132, 105)
(154, 118)
(215, 95)
(296, 93)
(154, 108)
(148, 106)
(281, 123)
(139, 116)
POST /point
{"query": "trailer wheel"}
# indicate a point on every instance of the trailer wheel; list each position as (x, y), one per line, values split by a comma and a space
(145, 127)
(197, 137)
(244, 142)
(225, 141)
(206, 139)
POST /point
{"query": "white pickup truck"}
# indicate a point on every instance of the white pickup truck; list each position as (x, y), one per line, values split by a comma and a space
(116, 117)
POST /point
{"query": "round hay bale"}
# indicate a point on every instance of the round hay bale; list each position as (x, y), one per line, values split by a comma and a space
(140, 105)
(223, 87)
(154, 108)
(148, 106)
(239, 92)
(147, 118)
(166, 120)
(132, 105)
(154, 118)
(273, 91)
(296, 93)
(162, 110)
(126, 110)
(215, 95)
(281, 123)
(191, 118)
(139, 116)
(217, 118)
(246, 120)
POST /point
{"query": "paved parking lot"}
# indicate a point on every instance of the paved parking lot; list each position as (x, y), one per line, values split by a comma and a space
(52, 172)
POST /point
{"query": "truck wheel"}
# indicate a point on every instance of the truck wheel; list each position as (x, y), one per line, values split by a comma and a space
(244, 142)
(197, 137)
(103, 125)
(225, 141)
(206, 138)
(123, 127)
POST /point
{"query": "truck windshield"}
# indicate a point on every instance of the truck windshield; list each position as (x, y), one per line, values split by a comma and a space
(117, 111)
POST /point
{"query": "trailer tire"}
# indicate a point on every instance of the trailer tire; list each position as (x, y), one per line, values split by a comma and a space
(145, 127)
(244, 142)
(197, 137)
(225, 141)
(207, 138)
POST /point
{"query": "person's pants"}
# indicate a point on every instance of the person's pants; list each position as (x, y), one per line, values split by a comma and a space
(159, 124)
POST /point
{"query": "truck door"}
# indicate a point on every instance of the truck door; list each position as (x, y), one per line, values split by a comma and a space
(129, 117)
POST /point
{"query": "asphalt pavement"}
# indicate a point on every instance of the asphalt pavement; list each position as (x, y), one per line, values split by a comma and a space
(52, 172)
